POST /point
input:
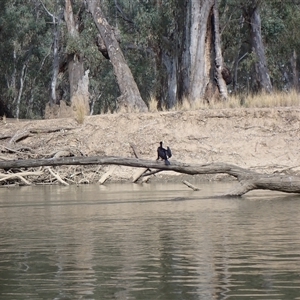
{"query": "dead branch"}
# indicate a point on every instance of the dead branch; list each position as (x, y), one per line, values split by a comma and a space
(5, 136)
(50, 130)
(19, 175)
(19, 135)
(56, 175)
(139, 173)
(151, 173)
(22, 134)
(3, 157)
(135, 152)
(106, 175)
(18, 151)
(188, 184)
(249, 180)
(94, 173)
(62, 153)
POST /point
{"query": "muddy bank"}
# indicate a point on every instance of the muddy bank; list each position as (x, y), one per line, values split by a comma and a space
(265, 140)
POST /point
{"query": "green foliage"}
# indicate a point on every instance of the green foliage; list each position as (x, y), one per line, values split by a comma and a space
(147, 31)
(280, 21)
(74, 45)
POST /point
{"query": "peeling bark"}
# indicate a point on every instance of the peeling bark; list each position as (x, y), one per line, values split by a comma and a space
(55, 68)
(75, 65)
(22, 80)
(295, 72)
(206, 60)
(219, 62)
(199, 48)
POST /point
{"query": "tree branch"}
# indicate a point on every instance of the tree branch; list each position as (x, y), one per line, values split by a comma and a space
(249, 180)
(48, 12)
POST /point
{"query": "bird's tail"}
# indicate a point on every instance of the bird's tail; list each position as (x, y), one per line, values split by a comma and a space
(169, 153)
(167, 163)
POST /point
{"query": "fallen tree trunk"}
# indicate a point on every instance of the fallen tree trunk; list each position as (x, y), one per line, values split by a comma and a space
(248, 180)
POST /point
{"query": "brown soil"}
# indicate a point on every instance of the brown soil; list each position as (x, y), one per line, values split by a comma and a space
(265, 140)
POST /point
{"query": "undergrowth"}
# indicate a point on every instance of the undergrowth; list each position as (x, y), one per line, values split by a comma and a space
(276, 99)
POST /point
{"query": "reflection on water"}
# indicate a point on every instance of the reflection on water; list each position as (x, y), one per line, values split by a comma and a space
(148, 242)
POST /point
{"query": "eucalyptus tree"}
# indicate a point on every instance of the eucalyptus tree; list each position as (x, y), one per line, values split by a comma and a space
(206, 60)
(265, 55)
(130, 99)
(280, 27)
(251, 11)
(54, 9)
(23, 57)
(182, 38)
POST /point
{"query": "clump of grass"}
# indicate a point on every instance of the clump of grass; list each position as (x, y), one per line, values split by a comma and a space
(79, 108)
(231, 102)
(275, 99)
(185, 105)
(283, 99)
(152, 104)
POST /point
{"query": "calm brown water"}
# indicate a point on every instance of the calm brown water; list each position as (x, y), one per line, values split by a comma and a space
(148, 242)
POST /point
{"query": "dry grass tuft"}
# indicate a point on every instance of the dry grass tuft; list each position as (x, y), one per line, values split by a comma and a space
(185, 105)
(79, 108)
(152, 104)
(276, 99)
(283, 99)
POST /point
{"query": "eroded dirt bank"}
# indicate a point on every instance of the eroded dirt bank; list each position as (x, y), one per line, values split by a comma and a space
(266, 140)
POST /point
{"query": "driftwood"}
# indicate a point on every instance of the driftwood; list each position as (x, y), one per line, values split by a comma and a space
(191, 186)
(106, 175)
(24, 133)
(20, 175)
(56, 175)
(18, 151)
(5, 136)
(248, 180)
(146, 172)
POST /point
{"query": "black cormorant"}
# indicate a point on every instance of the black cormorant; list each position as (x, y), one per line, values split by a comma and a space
(163, 153)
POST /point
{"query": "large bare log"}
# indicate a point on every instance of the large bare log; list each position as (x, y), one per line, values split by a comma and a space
(248, 180)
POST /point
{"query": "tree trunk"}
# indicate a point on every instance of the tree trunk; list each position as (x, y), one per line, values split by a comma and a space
(55, 68)
(295, 72)
(200, 47)
(219, 62)
(130, 99)
(248, 180)
(185, 57)
(170, 62)
(206, 60)
(22, 80)
(80, 103)
(263, 80)
(75, 66)
(160, 79)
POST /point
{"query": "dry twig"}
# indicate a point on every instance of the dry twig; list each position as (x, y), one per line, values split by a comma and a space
(57, 176)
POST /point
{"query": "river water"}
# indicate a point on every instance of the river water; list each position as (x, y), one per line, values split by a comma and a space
(156, 241)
